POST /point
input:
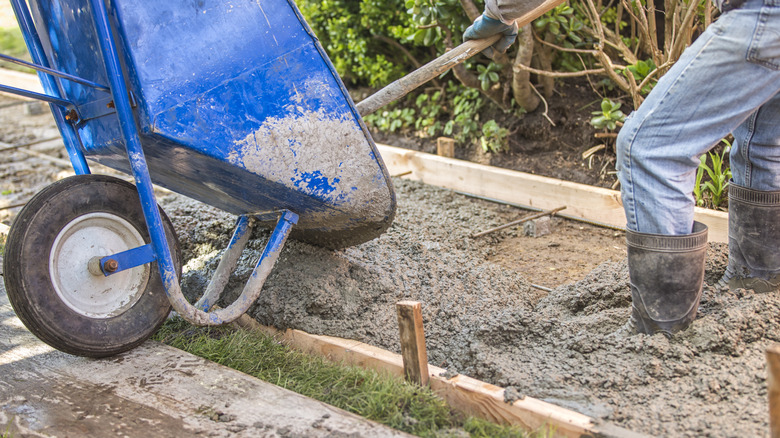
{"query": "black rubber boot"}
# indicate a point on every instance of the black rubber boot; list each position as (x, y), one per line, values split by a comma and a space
(754, 240)
(666, 274)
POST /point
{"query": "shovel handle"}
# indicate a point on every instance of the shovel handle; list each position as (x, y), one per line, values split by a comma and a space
(406, 84)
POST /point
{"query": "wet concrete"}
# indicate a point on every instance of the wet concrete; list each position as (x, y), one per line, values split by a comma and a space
(483, 319)
(154, 390)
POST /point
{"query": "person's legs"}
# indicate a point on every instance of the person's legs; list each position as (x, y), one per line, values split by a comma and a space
(754, 202)
(729, 72)
(755, 155)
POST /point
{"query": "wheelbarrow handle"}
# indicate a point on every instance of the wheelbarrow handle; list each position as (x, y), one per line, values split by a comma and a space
(408, 83)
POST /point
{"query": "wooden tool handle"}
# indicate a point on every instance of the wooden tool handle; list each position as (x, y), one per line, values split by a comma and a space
(406, 84)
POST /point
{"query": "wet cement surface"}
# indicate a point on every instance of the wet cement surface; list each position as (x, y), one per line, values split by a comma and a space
(154, 390)
(485, 320)
(482, 316)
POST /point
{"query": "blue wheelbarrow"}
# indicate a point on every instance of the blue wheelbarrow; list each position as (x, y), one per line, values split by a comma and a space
(232, 103)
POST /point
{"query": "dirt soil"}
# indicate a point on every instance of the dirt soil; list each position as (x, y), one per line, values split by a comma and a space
(550, 144)
(484, 315)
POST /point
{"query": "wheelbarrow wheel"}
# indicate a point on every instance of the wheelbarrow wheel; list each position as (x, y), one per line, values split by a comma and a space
(47, 278)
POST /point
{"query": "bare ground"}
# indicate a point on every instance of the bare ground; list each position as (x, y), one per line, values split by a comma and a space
(482, 315)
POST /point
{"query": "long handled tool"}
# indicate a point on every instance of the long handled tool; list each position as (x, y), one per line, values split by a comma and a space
(408, 83)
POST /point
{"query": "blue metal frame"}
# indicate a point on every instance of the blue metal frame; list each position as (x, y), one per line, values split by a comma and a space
(140, 170)
(135, 152)
(158, 250)
(128, 259)
(325, 168)
(53, 72)
(45, 97)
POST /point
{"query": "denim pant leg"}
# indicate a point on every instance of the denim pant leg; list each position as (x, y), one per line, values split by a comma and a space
(755, 155)
(726, 75)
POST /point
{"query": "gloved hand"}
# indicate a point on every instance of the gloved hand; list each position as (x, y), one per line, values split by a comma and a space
(485, 26)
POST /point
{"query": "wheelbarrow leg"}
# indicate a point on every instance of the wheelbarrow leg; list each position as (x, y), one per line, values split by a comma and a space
(226, 265)
(196, 314)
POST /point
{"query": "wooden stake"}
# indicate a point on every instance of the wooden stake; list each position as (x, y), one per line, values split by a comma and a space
(415, 356)
(773, 387)
(445, 147)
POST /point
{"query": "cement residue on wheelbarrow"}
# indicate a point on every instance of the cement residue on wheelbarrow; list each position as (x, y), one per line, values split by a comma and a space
(484, 319)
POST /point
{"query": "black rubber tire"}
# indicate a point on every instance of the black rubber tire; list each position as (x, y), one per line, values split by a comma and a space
(29, 285)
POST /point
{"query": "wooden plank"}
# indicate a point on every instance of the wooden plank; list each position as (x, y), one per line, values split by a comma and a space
(413, 352)
(584, 202)
(463, 394)
(152, 391)
(773, 388)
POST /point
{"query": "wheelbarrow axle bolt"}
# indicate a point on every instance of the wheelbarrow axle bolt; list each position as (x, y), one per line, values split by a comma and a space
(111, 265)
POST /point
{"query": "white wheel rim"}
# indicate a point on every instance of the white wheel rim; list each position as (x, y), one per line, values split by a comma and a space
(96, 296)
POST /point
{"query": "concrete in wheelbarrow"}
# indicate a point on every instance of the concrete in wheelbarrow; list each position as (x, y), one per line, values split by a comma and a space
(154, 390)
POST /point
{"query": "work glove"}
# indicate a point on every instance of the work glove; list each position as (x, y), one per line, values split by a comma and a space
(485, 26)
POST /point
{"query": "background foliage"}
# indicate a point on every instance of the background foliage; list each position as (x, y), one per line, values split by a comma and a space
(621, 46)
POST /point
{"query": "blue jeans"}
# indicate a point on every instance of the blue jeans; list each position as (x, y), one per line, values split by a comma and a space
(727, 81)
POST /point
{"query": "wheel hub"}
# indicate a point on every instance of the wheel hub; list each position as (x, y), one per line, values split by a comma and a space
(87, 237)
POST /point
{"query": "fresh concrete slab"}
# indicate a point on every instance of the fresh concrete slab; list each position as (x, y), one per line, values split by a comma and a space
(154, 390)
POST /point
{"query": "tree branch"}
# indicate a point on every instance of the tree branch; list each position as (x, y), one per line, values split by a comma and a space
(556, 74)
(471, 9)
(521, 79)
(400, 47)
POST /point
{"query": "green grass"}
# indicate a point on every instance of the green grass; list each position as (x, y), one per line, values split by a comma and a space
(12, 44)
(378, 397)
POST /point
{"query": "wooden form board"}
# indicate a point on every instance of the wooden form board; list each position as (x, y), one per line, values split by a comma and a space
(584, 202)
(462, 393)
(592, 204)
(773, 388)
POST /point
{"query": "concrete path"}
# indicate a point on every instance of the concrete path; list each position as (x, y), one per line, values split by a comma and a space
(152, 391)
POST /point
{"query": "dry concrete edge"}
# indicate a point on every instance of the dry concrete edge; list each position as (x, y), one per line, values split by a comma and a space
(153, 390)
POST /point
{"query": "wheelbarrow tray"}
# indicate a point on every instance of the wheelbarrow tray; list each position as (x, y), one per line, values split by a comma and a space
(237, 106)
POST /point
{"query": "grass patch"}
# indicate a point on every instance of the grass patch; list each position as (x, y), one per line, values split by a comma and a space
(12, 44)
(378, 397)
